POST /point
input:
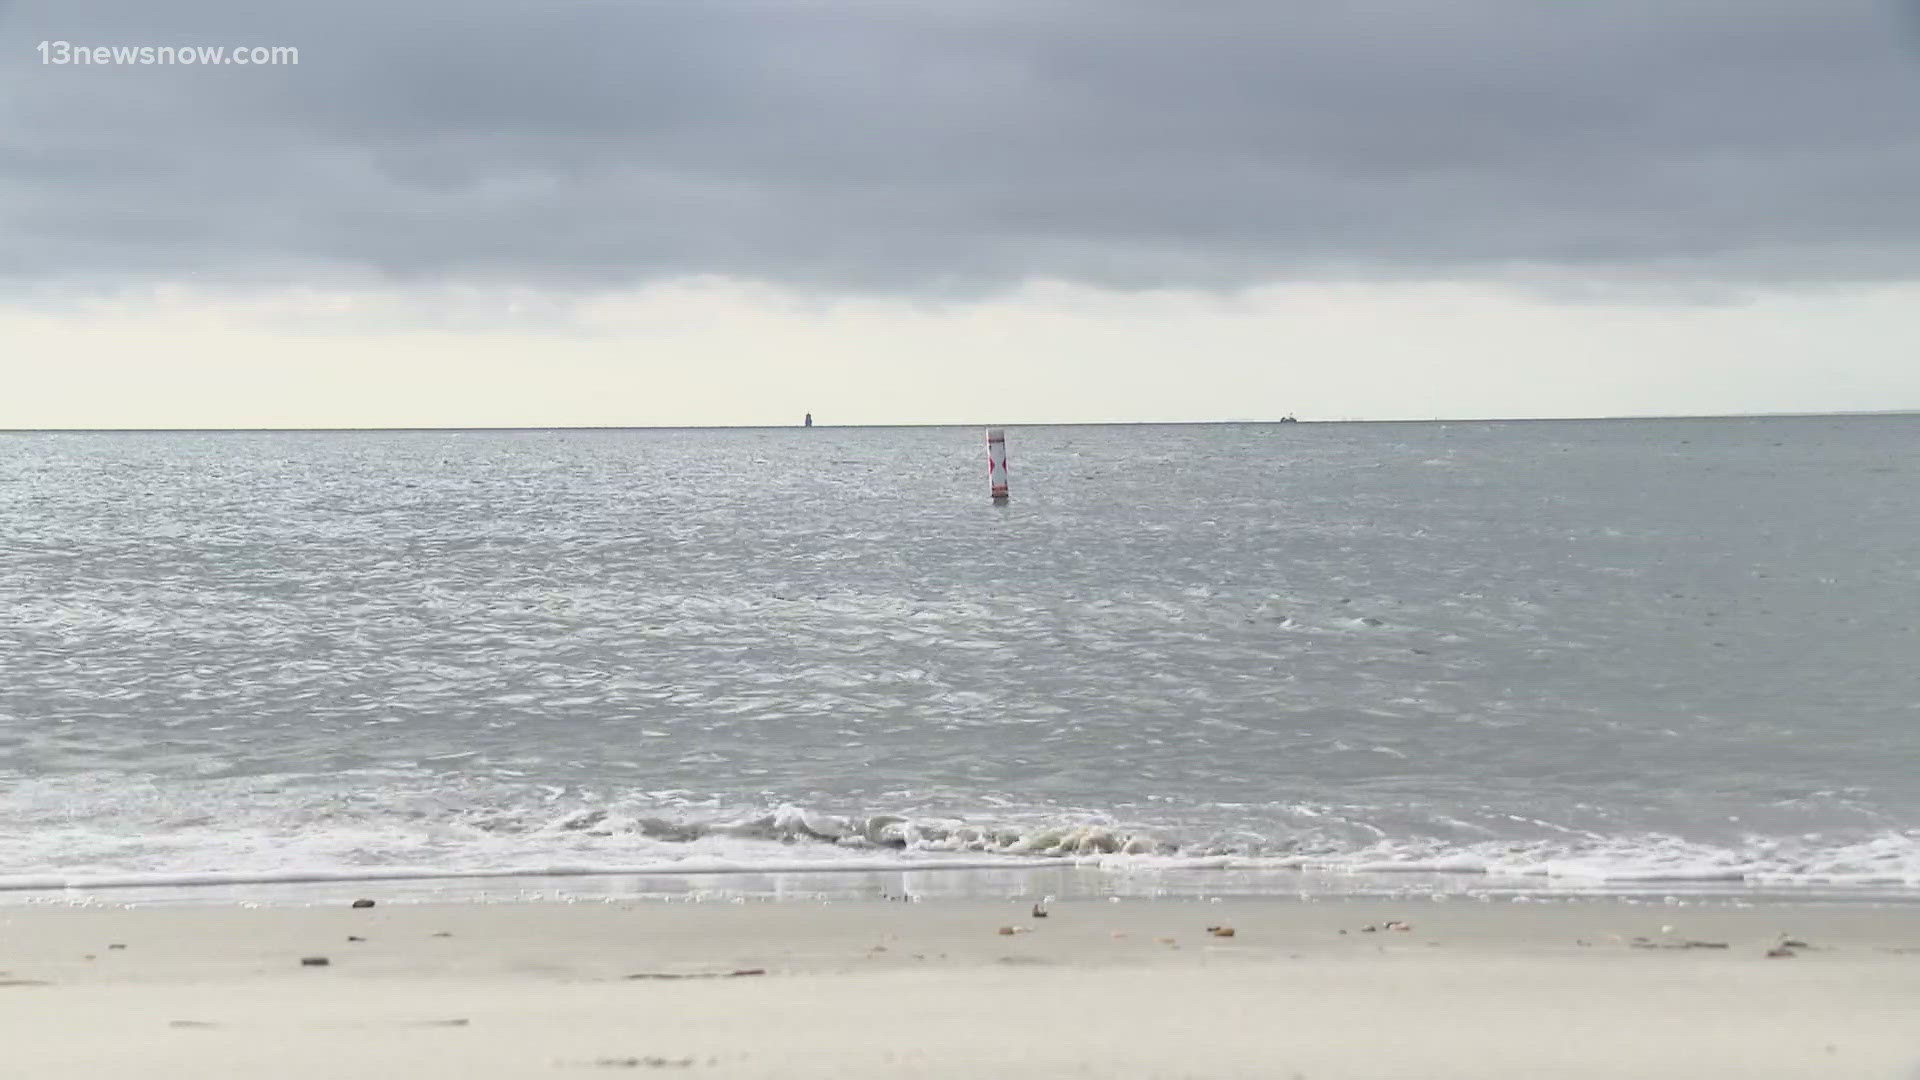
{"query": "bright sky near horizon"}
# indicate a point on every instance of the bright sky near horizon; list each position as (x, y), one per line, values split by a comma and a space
(502, 212)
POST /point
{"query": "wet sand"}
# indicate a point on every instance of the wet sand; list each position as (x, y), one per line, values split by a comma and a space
(883, 989)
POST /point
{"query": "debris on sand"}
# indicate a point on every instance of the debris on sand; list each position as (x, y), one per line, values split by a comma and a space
(1644, 943)
(314, 961)
(363, 903)
(739, 973)
(1787, 946)
(1220, 931)
(1040, 910)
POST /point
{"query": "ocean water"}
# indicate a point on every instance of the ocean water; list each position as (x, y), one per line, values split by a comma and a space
(1580, 655)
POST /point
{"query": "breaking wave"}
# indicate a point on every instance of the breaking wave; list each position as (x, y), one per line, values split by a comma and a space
(1886, 858)
(604, 841)
(790, 824)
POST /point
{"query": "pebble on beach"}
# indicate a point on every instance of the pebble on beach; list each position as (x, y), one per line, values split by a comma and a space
(314, 961)
(362, 903)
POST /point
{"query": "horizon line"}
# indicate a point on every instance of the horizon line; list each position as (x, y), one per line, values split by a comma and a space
(959, 424)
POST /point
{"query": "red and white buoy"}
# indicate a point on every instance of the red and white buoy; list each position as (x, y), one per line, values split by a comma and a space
(997, 463)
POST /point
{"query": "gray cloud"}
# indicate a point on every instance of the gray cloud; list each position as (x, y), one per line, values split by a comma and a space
(922, 146)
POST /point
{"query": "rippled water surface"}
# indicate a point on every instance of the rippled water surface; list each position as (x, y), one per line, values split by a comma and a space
(1590, 650)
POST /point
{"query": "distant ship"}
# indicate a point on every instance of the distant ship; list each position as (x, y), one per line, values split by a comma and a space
(1287, 419)
(809, 421)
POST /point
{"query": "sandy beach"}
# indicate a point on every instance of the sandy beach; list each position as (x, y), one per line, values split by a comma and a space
(883, 988)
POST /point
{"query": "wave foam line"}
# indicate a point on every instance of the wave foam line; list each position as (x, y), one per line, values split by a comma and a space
(53, 882)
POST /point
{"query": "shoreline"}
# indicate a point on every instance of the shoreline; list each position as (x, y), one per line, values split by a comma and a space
(957, 879)
(1580, 987)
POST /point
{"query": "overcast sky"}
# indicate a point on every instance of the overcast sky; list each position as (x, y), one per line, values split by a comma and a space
(702, 211)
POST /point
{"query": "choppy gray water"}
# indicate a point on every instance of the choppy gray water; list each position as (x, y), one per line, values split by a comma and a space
(1586, 651)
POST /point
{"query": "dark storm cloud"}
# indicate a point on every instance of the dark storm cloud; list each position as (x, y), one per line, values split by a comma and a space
(927, 146)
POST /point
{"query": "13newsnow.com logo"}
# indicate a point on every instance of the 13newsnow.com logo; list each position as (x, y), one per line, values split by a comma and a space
(66, 53)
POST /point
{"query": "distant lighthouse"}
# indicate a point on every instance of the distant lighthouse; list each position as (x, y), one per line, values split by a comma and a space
(809, 421)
